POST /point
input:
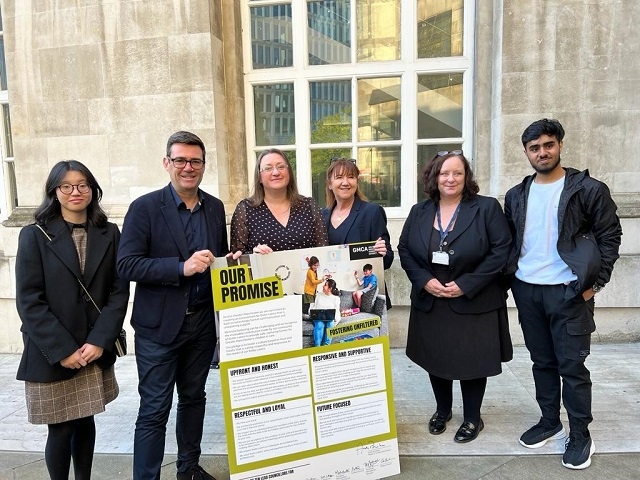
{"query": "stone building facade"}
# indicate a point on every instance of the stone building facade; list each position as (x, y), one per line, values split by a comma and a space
(107, 81)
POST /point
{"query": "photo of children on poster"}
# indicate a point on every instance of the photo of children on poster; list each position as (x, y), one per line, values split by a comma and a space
(256, 280)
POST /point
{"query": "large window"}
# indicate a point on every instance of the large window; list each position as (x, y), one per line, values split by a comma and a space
(8, 195)
(387, 82)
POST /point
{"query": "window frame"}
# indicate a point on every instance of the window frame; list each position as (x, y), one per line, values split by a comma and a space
(7, 172)
(408, 68)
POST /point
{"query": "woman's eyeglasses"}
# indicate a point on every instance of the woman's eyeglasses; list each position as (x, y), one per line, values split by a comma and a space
(269, 168)
(67, 188)
(442, 153)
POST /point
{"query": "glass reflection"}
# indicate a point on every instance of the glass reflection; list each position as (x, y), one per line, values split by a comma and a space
(329, 33)
(378, 30)
(320, 160)
(274, 114)
(380, 175)
(440, 105)
(8, 140)
(440, 25)
(3, 70)
(330, 111)
(426, 153)
(379, 109)
(271, 36)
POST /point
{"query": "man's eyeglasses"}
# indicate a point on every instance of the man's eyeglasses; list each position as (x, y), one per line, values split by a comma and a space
(269, 168)
(67, 188)
(337, 159)
(442, 153)
(179, 162)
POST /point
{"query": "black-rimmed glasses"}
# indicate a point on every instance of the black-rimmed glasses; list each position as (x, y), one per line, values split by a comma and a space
(442, 153)
(67, 188)
(179, 162)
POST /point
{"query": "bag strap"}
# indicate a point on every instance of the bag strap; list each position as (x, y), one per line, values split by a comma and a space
(79, 281)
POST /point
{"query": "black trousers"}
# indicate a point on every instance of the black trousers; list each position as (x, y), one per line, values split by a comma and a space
(183, 364)
(557, 333)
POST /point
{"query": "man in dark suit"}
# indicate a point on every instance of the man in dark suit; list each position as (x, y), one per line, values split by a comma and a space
(169, 240)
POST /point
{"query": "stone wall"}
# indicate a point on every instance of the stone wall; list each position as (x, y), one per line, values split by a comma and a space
(108, 82)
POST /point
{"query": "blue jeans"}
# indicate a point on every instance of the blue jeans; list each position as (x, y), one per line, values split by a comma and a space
(320, 332)
(183, 364)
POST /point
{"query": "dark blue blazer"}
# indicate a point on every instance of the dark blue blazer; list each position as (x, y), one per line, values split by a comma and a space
(152, 246)
(478, 248)
(366, 222)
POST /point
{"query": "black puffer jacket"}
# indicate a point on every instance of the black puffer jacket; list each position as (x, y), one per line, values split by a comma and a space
(589, 230)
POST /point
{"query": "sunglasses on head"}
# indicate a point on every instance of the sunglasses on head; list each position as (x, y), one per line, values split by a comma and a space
(337, 159)
(442, 153)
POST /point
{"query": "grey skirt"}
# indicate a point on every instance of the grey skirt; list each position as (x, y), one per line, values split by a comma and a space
(83, 395)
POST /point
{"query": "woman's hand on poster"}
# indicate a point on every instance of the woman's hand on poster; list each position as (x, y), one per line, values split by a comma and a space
(380, 247)
(263, 249)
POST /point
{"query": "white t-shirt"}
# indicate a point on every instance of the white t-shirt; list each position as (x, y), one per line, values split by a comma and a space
(327, 301)
(539, 261)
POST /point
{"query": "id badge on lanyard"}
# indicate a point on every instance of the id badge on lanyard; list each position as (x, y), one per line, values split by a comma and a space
(440, 257)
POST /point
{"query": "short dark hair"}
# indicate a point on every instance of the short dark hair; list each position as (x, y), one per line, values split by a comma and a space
(431, 171)
(49, 209)
(368, 266)
(544, 126)
(187, 138)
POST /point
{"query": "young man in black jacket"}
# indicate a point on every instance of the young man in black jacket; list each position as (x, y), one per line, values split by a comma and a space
(566, 237)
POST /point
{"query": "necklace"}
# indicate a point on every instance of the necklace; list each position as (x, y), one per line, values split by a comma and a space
(343, 214)
(275, 212)
(282, 212)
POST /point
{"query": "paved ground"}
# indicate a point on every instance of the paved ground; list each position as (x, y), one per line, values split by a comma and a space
(509, 409)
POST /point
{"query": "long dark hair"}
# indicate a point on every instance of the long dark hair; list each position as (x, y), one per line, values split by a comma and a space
(49, 209)
(431, 171)
(257, 197)
(334, 288)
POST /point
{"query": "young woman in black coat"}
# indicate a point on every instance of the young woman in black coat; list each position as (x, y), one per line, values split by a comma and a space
(69, 333)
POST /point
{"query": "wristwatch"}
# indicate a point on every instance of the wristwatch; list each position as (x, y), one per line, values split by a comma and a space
(596, 287)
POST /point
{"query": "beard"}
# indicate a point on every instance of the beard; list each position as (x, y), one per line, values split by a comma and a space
(546, 168)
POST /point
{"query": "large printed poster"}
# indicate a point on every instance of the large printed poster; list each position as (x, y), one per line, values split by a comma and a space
(291, 409)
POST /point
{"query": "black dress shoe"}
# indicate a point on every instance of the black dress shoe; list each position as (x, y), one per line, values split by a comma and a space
(438, 423)
(468, 431)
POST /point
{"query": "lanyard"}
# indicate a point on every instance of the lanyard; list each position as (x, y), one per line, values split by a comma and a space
(444, 233)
